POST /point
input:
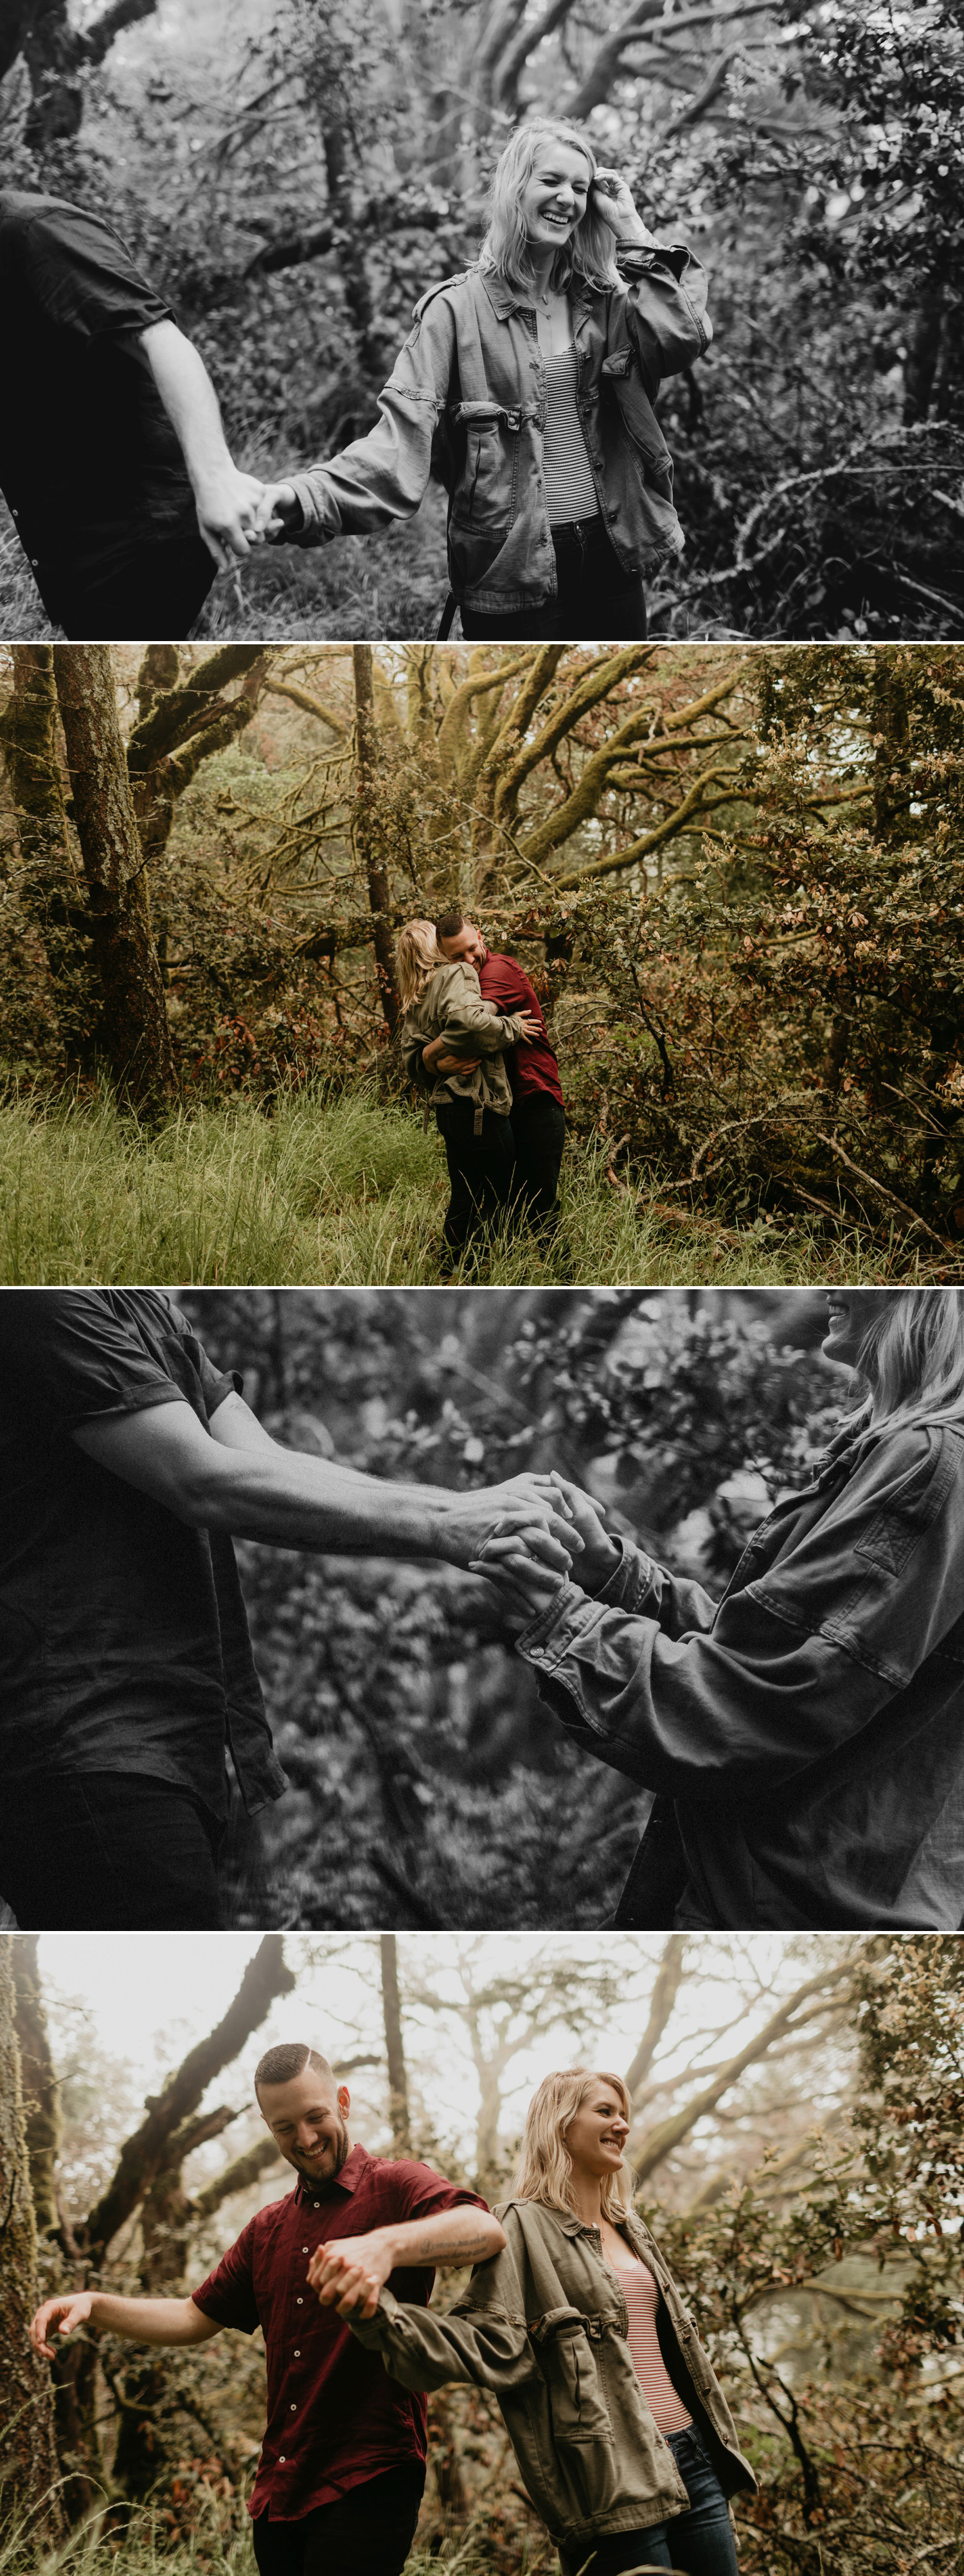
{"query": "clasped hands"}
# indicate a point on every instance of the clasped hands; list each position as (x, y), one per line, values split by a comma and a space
(348, 2274)
(529, 1564)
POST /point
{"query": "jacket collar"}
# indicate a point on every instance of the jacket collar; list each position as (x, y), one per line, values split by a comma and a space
(506, 299)
(348, 2179)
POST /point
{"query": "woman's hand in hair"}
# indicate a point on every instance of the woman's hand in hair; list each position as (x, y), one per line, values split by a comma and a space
(611, 198)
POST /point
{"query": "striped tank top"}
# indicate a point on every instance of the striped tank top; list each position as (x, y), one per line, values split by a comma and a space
(641, 2295)
(570, 490)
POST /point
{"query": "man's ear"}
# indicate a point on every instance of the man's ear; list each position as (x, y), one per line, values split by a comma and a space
(344, 2100)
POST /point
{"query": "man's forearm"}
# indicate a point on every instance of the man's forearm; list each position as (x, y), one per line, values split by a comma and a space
(151, 2320)
(456, 2236)
(189, 399)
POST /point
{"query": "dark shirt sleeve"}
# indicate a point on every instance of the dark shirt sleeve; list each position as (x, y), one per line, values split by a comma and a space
(77, 1357)
(228, 2292)
(83, 280)
(214, 1383)
(423, 2194)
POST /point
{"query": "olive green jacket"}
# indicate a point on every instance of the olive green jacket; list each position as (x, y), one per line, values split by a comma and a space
(544, 2325)
(452, 1007)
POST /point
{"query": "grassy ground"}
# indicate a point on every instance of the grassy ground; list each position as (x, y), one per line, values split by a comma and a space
(337, 1193)
(144, 2550)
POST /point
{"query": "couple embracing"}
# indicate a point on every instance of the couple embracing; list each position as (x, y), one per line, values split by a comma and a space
(801, 1739)
(475, 1041)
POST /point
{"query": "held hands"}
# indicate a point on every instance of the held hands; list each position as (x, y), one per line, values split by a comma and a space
(610, 196)
(71, 2311)
(349, 2274)
(227, 504)
(529, 1510)
(518, 1563)
(279, 512)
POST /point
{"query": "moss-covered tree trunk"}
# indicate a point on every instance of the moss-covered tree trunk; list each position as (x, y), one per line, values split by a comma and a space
(41, 2091)
(364, 832)
(51, 888)
(134, 1029)
(29, 2468)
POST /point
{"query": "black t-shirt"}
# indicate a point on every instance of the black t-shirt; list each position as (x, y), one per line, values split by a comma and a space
(89, 461)
(124, 1640)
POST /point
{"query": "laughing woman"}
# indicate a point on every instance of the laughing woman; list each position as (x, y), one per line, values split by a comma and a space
(805, 1735)
(623, 2437)
(529, 382)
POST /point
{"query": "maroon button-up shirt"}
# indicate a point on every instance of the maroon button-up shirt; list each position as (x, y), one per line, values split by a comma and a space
(334, 2416)
(532, 1067)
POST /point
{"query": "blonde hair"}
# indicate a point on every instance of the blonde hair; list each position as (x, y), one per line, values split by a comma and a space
(911, 1359)
(417, 959)
(544, 2168)
(588, 256)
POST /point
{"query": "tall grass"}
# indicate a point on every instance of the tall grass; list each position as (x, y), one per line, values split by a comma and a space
(336, 1192)
(142, 2546)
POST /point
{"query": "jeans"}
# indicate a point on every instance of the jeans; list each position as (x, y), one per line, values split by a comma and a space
(698, 2543)
(96, 1851)
(480, 1169)
(596, 599)
(369, 2532)
(539, 1129)
(157, 589)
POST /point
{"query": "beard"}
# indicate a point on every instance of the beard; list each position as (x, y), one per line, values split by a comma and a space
(340, 2151)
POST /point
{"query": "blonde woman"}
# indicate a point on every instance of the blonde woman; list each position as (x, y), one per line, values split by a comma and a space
(805, 1735)
(473, 1106)
(529, 383)
(623, 2436)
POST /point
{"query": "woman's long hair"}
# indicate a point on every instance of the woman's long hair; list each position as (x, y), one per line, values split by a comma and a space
(911, 1359)
(589, 254)
(417, 959)
(544, 2168)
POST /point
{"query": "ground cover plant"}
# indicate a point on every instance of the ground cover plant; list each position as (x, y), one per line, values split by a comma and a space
(734, 880)
(794, 2142)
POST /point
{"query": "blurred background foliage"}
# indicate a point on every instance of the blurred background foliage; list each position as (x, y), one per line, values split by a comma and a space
(795, 2144)
(297, 175)
(428, 1785)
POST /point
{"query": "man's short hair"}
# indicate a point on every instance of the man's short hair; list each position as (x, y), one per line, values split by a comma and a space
(280, 2065)
(449, 924)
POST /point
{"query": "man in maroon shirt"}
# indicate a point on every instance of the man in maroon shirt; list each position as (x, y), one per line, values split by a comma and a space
(342, 2465)
(538, 1109)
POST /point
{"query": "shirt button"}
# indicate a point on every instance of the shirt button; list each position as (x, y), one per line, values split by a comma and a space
(299, 2303)
(281, 2458)
(297, 2352)
(304, 2249)
(291, 2409)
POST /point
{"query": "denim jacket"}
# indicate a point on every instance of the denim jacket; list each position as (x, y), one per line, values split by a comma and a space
(452, 1005)
(544, 2325)
(470, 388)
(809, 1728)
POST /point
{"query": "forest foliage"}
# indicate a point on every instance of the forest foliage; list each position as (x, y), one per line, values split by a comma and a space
(296, 182)
(795, 2144)
(429, 1786)
(734, 881)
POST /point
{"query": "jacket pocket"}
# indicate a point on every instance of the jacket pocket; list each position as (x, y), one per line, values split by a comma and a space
(484, 497)
(578, 2407)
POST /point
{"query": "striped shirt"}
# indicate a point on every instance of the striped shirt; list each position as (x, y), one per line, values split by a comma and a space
(570, 490)
(641, 2295)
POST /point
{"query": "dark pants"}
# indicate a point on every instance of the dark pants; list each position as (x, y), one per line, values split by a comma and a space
(155, 593)
(480, 1169)
(699, 2542)
(98, 1852)
(539, 1129)
(596, 599)
(369, 2532)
